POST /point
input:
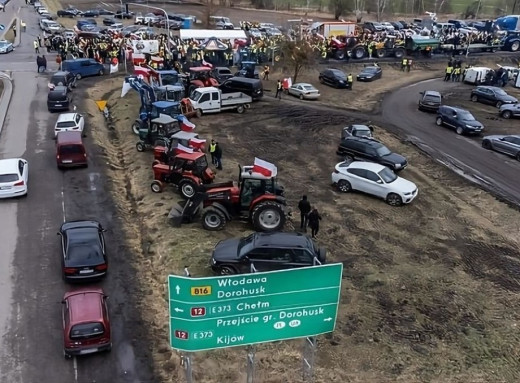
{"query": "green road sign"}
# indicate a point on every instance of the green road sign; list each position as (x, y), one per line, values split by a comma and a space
(227, 311)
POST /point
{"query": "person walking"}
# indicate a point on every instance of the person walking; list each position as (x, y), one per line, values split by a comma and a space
(350, 81)
(266, 72)
(218, 156)
(305, 208)
(212, 147)
(279, 89)
(36, 46)
(314, 222)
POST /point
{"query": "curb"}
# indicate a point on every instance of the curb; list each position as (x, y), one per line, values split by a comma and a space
(14, 21)
(5, 97)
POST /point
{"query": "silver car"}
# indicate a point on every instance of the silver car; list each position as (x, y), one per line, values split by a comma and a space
(6, 46)
(509, 111)
(304, 91)
(509, 145)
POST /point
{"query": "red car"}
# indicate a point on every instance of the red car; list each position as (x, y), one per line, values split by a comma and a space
(86, 325)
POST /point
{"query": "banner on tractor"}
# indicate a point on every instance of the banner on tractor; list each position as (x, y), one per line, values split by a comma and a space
(265, 168)
(187, 125)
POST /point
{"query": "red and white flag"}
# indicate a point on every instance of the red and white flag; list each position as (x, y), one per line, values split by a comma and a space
(206, 64)
(183, 149)
(126, 88)
(187, 125)
(197, 143)
(265, 168)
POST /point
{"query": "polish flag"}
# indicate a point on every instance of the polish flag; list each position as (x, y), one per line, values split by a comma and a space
(265, 168)
(183, 149)
(140, 71)
(187, 125)
(197, 143)
(126, 88)
(206, 64)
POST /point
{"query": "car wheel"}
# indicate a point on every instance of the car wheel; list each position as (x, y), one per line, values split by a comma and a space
(140, 146)
(459, 131)
(486, 144)
(438, 121)
(78, 77)
(498, 104)
(66, 356)
(474, 98)
(227, 270)
(241, 109)
(157, 186)
(344, 186)
(394, 199)
(301, 97)
(507, 114)
(101, 72)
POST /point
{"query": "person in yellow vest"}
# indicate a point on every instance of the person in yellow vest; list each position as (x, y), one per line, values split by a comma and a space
(212, 148)
(404, 64)
(350, 81)
(449, 72)
(456, 74)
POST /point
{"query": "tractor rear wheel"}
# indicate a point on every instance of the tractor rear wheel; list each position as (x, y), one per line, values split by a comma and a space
(268, 216)
(187, 188)
(157, 186)
(213, 219)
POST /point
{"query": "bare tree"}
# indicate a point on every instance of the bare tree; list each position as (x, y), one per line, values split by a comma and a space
(298, 56)
(338, 7)
(381, 5)
(359, 8)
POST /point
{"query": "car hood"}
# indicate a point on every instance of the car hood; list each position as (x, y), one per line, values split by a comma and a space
(367, 74)
(508, 106)
(403, 185)
(495, 137)
(474, 123)
(226, 250)
(508, 98)
(395, 158)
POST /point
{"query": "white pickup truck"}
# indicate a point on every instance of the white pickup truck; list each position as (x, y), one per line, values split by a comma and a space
(212, 100)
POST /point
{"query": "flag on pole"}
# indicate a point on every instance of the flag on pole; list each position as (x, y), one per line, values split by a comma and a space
(265, 168)
(206, 64)
(183, 149)
(126, 88)
(187, 125)
(114, 68)
(197, 143)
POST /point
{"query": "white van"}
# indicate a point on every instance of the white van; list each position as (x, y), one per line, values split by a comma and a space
(220, 22)
(476, 75)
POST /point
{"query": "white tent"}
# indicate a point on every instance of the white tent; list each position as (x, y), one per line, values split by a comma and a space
(220, 34)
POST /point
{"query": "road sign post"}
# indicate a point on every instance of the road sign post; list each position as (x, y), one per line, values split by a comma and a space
(227, 311)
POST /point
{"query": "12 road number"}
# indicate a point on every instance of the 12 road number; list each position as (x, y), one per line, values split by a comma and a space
(201, 290)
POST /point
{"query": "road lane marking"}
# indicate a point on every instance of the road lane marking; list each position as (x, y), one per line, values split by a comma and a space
(63, 203)
(75, 365)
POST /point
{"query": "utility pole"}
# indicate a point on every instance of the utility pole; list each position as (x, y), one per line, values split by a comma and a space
(514, 7)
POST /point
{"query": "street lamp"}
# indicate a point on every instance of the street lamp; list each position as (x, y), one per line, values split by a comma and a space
(165, 15)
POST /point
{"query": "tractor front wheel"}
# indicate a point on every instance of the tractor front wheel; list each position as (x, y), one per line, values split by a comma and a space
(187, 188)
(268, 216)
(157, 186)
(213, 219)
(140, 146)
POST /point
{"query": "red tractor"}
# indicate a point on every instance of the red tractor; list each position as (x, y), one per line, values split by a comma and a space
(256, 198)
(200, 77)
(165, 153)
(187, 171)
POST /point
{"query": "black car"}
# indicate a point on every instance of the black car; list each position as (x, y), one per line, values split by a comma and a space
(69, 12)
(124, 15)
(459, 119)
(357, 130)
(430, 101)
(373, 26)
(266, 252)
(333, 77)
(509, 145)
(492, 95)
(126, 31)
(91, 13)
(59, 99)
(83, 251)
(221, 74)
(63, 78)
(105, 12)
(366, 149)
(370, 73)
(109, 21)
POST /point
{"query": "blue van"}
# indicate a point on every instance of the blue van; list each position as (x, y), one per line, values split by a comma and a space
(83, 67)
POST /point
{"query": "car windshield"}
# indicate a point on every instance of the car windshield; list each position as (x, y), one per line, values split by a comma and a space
(500, 92)
(8, 178)
(83, 246)
(432, 98)
(245, 245)
(370, 70)
(66, 124)
(87, 330)
(383, 151)
(308, 87)
(387, 175)
(169, 78)
(466, 116)
(201, 163)
(339, 74)
(3, 44)
(71, 149)
(195, 95)
(361, 132)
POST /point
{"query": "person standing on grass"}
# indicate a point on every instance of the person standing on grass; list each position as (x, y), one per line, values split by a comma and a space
(305, 208)
(212, 147)
(218, 156)
(314, 222)
(279, 90)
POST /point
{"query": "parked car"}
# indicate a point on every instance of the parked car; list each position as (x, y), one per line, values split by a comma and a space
(41, 10)
(69, 33)
(370, 73)
(375, 179)
(91, 13)
(58, 99)
(366, 149)
(124, 15)
(221, 74)
(105, 12)
(83, 67)
(50, 26)
(255, 33)
(459, 119)
(70, 150)
(387, 26)
(6, 46)
(357, 131)
(373, 26)
(86, 323)
(109, 21)
(304, 91)
(333, 77)
(83, 251)
(397, 25)
(509, 111)
(14, 175)
(63, 78)
(267, 252)
(69, 12)
(69, 122)
(509, 145)
(492, 95)
(126, 31)
(430, 101)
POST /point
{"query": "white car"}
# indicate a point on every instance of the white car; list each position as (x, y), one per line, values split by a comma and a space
(41, 10)
(69, 122)
(387, 26)
(374, 179)
(14, 175)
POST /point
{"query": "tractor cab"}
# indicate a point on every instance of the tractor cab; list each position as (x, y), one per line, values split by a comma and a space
(168, 77)
(170, 93)
(248, 69)
(254, 185)
(168, 108)
(156, 135)
(200, 77)
(166, 153)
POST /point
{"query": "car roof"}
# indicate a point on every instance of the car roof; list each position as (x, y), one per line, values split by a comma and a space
(358, 126)
(61, 73)
(68, 137)
(302, 84)
(365, 140)
(80, 224)
(455, 108)
(9, 165)
(488, 87)
(59, 89)
(432, 93)
(281, 239)
(366, 165)
(67, 117)
(85, 304)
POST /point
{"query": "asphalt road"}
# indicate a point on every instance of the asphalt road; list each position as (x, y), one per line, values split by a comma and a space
(493, 171)
(31, 287)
